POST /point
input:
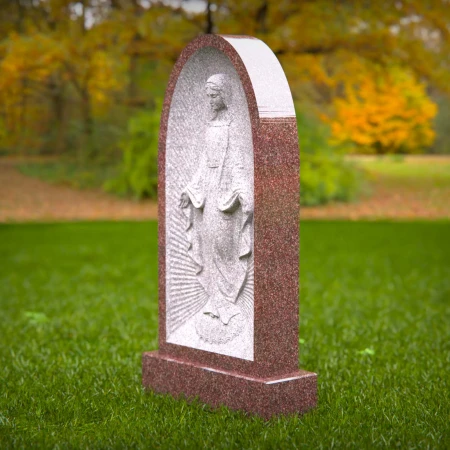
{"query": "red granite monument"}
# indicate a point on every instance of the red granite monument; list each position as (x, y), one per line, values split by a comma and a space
(229, 233)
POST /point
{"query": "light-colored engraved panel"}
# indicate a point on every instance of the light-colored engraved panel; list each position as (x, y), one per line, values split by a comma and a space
(188, 295)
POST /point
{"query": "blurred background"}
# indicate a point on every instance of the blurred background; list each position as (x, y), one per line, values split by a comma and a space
(81, 90)
(82, 84)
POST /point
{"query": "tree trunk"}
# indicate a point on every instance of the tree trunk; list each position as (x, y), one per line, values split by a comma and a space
(59, 112)
(23, 132)
(83, 16)
(58, 106)
(86, 149)
(133, 91)
(209, 25)
(20, 17)
(261, 17)
(133, 71)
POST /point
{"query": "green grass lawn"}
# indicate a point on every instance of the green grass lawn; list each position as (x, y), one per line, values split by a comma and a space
(78, 176)
(78, 306)
(416, 171)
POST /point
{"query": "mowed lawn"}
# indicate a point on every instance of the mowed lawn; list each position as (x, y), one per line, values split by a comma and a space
(78, 306)
(425, 177)
(397, 187)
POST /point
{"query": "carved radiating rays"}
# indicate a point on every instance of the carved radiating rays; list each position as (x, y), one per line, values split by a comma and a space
(187, 296)
(245, 298)
(188, 120)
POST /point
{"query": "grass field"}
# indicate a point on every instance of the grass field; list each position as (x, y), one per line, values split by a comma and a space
(399, 187)
(77, 176)
(78, 306)
(409, 170)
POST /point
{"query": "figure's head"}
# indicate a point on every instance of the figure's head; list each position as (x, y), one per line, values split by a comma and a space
(218, 91)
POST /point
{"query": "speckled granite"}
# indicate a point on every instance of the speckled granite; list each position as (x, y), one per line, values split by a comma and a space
(242, 384)
(293, 393)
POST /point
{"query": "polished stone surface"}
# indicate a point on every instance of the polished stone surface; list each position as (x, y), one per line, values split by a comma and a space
(290, 394)
(262, 306)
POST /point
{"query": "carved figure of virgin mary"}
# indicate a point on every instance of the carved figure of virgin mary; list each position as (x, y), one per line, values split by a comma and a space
(218, 205)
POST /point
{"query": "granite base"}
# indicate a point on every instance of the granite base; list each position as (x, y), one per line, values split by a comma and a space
(292, 393)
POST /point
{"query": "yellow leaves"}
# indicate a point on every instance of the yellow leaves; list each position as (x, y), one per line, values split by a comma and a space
(103, 79)
(37, 70)
(27, 62)
(31, 57)
(385, 112)
(30, 60)
(310, 67)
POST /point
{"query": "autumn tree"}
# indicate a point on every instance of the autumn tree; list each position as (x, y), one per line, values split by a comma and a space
(324, 44)
(386, 113)
(64, 63)
(29, 62)
(414, 34)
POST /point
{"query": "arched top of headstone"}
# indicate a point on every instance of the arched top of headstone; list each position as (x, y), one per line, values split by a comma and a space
(271, 88)
(263, 79)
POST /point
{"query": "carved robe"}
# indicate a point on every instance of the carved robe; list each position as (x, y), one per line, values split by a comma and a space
(221, 212)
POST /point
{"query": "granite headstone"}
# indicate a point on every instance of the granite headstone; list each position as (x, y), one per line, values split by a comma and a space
(229, 233)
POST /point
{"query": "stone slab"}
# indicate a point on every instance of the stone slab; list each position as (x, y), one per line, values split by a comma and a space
(295, 392)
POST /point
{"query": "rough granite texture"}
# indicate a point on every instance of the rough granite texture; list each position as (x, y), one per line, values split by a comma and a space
(294, 393)
(209, 150)
(242, 384)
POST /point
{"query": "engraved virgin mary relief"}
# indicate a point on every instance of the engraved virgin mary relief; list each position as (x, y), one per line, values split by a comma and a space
(209, 210)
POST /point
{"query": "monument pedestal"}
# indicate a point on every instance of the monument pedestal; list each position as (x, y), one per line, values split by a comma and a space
(288, 394)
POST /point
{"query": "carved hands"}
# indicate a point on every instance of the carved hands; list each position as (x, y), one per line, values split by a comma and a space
(247, 207)
(184, 200)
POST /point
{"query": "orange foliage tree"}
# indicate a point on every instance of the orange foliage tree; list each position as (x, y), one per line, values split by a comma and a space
(366, 62)
(386, 112)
